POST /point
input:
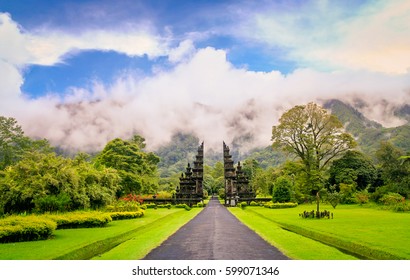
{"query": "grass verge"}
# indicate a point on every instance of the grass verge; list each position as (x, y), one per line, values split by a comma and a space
(291, 244)
(365, 232)
(149, 237)
(69, 240)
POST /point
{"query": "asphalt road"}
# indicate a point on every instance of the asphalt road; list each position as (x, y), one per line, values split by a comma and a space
(215, 234)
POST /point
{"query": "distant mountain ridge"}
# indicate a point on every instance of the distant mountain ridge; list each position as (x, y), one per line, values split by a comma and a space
(354, 121)
(369, 133)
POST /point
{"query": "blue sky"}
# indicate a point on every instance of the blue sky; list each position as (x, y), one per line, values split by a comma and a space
(104, 69)
(162, 17)
(181, 18)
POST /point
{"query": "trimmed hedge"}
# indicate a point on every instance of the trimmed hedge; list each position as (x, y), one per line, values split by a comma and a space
(80, 219)
(168, 206)
(126, 215)
(253, 203)
(242, 204)
(272, 205)
(151, 206)
(183, 205)
(199, 205)
(124, 206)
(17, 228)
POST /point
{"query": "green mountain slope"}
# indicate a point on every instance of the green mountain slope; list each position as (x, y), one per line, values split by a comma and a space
(183, 146)
(368, 133)
(177, 153)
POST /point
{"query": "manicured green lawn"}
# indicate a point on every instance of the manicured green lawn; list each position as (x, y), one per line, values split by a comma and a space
(73, 240)
(369, 232)
(291, 244)
(149, 238)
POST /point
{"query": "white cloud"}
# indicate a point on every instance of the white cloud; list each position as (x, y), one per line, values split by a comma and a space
(323, 35)
(183, 52)
(11, 80)
(48, 47)
(205, 95)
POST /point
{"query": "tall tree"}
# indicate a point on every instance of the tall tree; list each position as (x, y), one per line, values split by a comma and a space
(137, 169)
(13, 142)
(353, 167)
(315, 136)
(395, 168)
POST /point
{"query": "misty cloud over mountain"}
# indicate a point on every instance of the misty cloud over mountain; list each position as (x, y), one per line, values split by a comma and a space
(206, 96)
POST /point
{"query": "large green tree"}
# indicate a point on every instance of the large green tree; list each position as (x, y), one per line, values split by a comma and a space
(282, 190)
(353, 168)
(13, 142)
(395, 168)
(260, 179)
(137, 169)
(315, 136)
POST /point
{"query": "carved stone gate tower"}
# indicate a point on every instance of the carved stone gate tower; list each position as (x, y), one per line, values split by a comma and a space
(236, 183)
(190, 188)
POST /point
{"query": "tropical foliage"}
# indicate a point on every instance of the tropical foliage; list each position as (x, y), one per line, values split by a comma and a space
(136, 168)
(47, 182)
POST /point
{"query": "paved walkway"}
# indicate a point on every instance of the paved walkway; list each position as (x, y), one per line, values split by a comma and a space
(215, 234)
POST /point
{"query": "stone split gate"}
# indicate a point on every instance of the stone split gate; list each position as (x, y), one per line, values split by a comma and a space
(190, 189)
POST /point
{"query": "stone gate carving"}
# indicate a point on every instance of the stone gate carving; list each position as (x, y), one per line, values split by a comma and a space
(236, 182)
(190, 188)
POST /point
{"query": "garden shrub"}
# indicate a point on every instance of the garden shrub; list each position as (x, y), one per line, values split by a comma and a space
(151, 206)
(395, 202)
(401, 207)
(379, 193)
(242, 204)
(362, 197)
(253, 203)
(281, 190)
(272, 205)
(200, 204)
(124, 205)
(392, 199)
(29, 228)
(183, 205)
(80, 219)
(168, 205)
(126, 215)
